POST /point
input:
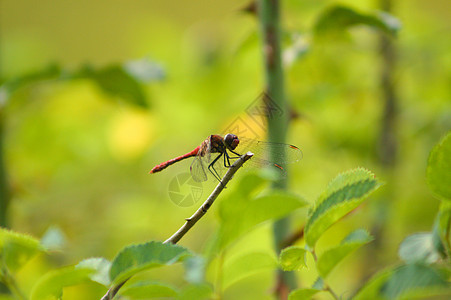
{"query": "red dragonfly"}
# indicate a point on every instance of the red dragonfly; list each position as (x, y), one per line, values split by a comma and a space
(216, 144)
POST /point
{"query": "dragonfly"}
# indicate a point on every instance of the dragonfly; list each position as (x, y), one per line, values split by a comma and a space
(216, 152)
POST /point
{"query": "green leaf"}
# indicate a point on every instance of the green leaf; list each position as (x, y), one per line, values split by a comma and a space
(292, 258)
(144, 70)
(414, 279)
(319, 284)
(16, 249)
(247, 265)
(136, 258)
(298, 47)
(441, 231)
(338, 18)
(196, 291)
(329, 259)
(418, 247)
(114, 80)
(302, 294)
(146, 290)
(125, 81)
(119, 80)
(241, 211)
(10, 86)
(51, 285)
(195, 269)
(343, 194)
(438, 170)
(102, 269)
(371, 289)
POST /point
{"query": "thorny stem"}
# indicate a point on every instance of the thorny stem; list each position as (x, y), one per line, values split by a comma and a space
(277, 115)
(195, 217)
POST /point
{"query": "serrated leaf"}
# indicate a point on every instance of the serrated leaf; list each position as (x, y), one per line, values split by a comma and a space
(16, 249)
(438, 170)
(292, 258)
(102, 269)
(343, 194)
(240, 212)
(136, 258)
(196, 291)
(418, 247)
(146, 290)
(412, 279)
(339, 17)
(51, 285)
(245, 266)
(303, 294)
(371, 289)
(330, 258)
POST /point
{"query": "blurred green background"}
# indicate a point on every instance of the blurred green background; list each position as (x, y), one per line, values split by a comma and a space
(78, 158)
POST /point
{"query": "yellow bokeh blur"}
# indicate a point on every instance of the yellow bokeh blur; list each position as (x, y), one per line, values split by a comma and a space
(130, 134)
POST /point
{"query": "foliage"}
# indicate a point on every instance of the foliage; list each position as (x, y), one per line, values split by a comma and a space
(439, 164)
(419, 274)
(124, 81)
(59, 145)
(136, 258)
(343, 194)
(341, 17)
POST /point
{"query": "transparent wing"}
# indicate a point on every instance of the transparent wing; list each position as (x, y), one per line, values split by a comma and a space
(199, 169)
(281, 154)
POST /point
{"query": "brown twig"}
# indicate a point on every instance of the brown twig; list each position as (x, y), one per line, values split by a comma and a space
(293, 238)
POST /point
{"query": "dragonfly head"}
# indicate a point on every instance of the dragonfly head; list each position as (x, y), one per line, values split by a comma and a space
(231, 141)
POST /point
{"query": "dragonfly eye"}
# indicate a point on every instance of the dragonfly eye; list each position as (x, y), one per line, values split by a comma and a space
(231, 141)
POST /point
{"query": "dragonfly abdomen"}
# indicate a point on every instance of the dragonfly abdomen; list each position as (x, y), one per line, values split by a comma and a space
(166, 164)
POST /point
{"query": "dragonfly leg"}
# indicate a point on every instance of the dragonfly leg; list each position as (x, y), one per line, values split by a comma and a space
(233, 157)
(226, 160)
(211, 167)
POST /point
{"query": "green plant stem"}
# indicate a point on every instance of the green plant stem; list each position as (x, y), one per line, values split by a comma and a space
(327, 287)
(7, 278)
(4, 188)
(277, 114)
(219, 278)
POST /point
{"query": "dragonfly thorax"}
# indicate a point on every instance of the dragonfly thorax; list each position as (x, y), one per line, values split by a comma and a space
(215, 144)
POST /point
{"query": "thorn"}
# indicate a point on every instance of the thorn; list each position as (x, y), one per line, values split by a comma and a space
(251, 8)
